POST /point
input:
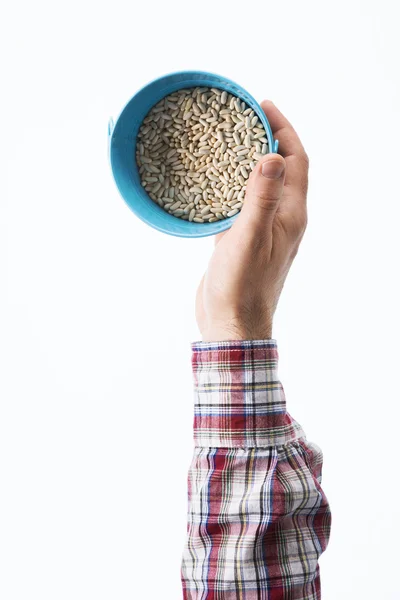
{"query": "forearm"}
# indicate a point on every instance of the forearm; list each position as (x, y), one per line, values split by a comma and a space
(257, 517)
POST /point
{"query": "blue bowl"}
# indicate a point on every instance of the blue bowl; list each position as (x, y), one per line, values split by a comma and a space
(122, 149)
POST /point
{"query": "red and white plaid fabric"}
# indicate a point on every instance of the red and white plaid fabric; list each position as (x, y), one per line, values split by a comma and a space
(258, 519)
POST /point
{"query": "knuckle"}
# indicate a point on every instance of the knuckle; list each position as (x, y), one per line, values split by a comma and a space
(304, 186)
(294, 251)
(295, 225)
(265, 201)
(267, 197)
(304, 158)
(302, 221)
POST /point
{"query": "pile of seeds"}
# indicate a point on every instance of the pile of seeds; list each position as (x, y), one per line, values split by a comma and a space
(195, 151)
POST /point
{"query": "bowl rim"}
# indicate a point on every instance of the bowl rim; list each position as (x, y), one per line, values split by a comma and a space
(218, 226)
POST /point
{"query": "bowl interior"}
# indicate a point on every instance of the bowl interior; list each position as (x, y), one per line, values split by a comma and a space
(123, 149)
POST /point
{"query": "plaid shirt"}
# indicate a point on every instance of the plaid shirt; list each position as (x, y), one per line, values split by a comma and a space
(258, 519)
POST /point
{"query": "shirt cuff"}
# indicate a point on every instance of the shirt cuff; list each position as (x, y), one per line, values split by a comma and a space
(238, 398)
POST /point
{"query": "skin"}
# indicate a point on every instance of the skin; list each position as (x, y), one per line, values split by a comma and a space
(239, 292)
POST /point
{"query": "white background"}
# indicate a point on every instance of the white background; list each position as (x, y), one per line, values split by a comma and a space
(96, 309)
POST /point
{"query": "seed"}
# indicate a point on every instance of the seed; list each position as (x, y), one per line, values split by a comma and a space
(239, 126)
(188, 208)
(233, 212)
(195, 150)
(176, 205)
(244, 172)
(236, 137)
(230, 194)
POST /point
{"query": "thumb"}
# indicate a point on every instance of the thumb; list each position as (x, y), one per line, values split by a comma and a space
(263, 193)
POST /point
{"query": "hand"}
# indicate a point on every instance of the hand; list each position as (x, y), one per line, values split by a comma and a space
(239, 292)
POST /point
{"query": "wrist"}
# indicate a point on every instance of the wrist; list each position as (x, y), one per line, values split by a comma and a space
(236, 330)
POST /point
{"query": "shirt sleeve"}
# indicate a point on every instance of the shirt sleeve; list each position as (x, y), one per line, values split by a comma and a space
(258, 519)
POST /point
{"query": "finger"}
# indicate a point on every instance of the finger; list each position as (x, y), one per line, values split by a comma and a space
(263, 194)
(289, 141)
(290, 147)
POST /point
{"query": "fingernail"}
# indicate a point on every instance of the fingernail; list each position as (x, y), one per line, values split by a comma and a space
(272, 169)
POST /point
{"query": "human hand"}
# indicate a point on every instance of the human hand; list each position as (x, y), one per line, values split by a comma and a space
(239, 292)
